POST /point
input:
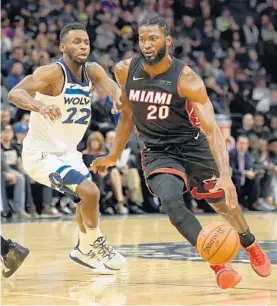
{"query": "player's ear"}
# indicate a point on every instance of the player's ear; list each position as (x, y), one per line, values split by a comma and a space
(62, 47)
(168, 40)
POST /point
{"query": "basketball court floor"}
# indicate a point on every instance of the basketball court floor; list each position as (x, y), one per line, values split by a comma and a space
(162, 268)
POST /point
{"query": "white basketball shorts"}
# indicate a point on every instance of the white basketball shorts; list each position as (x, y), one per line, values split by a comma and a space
(41, 166)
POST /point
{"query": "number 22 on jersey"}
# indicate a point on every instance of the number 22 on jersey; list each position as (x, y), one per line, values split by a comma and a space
(84, 119)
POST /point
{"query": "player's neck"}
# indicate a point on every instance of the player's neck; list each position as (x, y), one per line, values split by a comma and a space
(162, 66)
(76, 69)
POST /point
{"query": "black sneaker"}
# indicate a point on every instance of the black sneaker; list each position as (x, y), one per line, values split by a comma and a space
(13, 260)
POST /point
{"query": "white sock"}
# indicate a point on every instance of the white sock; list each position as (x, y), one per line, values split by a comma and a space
(93, 234)
(83, 243)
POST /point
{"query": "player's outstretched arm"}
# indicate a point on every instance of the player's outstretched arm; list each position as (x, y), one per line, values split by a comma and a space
(99, 77)
(40, 81)
(124, 127)
(193, 88)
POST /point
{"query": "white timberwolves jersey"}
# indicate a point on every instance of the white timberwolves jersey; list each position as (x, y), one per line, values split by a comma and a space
(64, 134)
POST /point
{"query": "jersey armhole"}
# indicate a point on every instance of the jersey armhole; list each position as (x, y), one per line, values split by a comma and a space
(91, 84)
(131, 71)
(65, 77)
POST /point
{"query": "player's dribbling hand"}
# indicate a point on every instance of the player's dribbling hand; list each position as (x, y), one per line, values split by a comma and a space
(100, 164)
(52, 112)
(225, 183)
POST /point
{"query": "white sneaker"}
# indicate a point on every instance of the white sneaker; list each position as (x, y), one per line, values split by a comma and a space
(106, 253)
(90, 261)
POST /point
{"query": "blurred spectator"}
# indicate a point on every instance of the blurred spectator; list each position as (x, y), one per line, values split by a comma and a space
(68, 15)
(243, 174)
(247, 124)
(129, 173)
(259, 127)
(269, 104)
(20, 133)
(16, 57)
(268, 33)
(96, 148)
(5, 118)
(250, 31)
(125, 41)
(226, 24)
(264, 175)
(101, 119)
(15, 76)
(273, 164)
(273, 126)
(106, 34)
(7, 178)
(5, 105)
(6, 43)
(13, 161)
(41, 39)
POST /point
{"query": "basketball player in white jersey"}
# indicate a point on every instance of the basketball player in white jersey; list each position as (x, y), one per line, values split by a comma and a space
(58, 96)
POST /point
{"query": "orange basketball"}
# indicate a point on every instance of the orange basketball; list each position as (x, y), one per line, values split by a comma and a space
(218, 243)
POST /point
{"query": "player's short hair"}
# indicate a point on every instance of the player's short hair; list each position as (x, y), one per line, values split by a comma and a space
(71, 26)
(159, 21)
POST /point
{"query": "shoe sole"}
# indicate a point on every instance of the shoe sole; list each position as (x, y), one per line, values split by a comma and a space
(95, 269)
(113, 269)
(12, 271)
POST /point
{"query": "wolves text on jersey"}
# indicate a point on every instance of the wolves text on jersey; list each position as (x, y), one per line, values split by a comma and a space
(77, 100)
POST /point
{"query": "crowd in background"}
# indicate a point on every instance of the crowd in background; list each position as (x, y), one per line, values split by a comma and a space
(232, 45)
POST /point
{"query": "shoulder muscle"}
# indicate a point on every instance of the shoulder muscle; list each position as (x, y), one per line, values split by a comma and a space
(41, 78)
(95, 72)
(191, 86)
(121, 72)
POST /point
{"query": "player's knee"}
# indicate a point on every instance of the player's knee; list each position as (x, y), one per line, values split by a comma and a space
(174, 206)
(88, 191)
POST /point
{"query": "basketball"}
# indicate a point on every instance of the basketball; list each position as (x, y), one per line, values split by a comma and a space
(218, 243)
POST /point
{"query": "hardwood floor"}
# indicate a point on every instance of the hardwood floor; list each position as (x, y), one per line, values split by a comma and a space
(162, 268)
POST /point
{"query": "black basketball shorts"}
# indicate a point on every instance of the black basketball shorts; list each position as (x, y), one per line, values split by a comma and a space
(191, 161)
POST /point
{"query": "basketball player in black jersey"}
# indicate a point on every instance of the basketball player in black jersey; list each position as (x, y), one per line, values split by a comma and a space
(168, 104)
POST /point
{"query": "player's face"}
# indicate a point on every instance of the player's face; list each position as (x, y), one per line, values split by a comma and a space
(76, 46)
(153, 44)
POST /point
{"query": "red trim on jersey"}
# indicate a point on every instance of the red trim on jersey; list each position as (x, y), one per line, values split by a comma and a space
(192, 116)
(206, 195)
